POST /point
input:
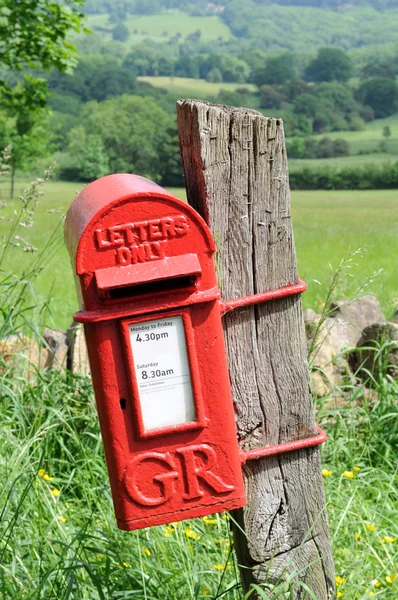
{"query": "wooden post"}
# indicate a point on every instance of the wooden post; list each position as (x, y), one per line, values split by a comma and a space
(236, 177)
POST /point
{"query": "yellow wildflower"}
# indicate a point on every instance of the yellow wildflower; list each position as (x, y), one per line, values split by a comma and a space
(126, 564)
(326, 472)
(219, 567)
(174, 524)
(391, 578)
(166, 534)
(357, 536)
(339, 580)
(41, 472)
(63, 519)
(55, 492)
(356, 468)
(370, 526)
(348, 475)
(209, 521)
(191, 534)
(375, 583)
(339, 595)
(47, 477)
(226, 516)
(388, 539)
(146, 551)
(206, 591)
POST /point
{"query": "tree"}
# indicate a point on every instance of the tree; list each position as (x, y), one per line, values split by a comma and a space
(120, 33)
(25, 125)
(381, 94)
(277, 70)
(96, 77)
(33, 35)
(131, 130)
(379, 69)
(386, 131)
(330, 64)
(88, 155)
(214, 76)
(305, 104)
(270, 97)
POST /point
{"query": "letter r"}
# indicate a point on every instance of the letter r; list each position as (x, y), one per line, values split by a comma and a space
(193, 472)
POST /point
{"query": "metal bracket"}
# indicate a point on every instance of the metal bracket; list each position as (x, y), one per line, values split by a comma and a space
(315, 440)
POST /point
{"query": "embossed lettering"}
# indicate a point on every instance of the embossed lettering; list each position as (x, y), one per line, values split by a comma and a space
(123, 256)
(149, 479)
(195, 471)
(100, 235)
(163, 229)
(154, 230)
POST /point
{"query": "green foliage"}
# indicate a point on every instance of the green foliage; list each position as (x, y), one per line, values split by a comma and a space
(330, 64)
(35, 34)
(386, 131)
(88, 158)
(120, 33)
(305, 104)
(24, 124)
(360, 178)
(381, 94)
(316, 148)
(385, 68)
(131, 129)
(270, 97)
(277, 70)
(145, 60)
(95, 78)
(214, 76)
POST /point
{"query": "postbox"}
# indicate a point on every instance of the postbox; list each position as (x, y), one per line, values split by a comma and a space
(150, 306)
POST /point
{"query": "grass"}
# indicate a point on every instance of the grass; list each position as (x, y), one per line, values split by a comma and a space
(58, 539)
(357, 160)
(369, 139)
(159, 28)
(326, 225)
(185, 87)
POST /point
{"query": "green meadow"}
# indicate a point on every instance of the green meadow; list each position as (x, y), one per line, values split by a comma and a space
(58, 537)
(159, 28)
(184, 87)
(368, 140)
(327, 226)
(341, 162)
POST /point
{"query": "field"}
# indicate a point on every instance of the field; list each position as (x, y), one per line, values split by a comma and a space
(159, 28)
(326, 225)
(183, 87)
(58, 539)
(369, 138)
(341, 162)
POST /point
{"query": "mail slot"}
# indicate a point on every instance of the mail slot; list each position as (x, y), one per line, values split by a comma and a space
(150, 305)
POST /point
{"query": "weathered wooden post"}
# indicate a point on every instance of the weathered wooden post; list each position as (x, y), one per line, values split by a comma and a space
(237, 178)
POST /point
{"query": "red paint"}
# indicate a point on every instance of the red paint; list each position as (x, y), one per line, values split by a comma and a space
(141, 255)
(284, 292)
(289, 290)
(314, 440)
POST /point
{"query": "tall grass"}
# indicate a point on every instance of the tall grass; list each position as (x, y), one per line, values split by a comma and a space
(58, 538)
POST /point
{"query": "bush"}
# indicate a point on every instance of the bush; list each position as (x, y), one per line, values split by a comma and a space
(361, 178)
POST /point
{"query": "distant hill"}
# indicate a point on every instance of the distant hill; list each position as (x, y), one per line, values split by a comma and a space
(150, 7)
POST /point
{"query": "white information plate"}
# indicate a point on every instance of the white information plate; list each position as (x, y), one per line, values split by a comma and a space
(162, 370)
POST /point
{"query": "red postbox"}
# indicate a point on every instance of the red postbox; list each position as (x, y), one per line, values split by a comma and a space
(152, 317)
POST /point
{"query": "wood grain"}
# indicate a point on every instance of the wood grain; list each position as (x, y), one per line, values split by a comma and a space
(236, 176)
